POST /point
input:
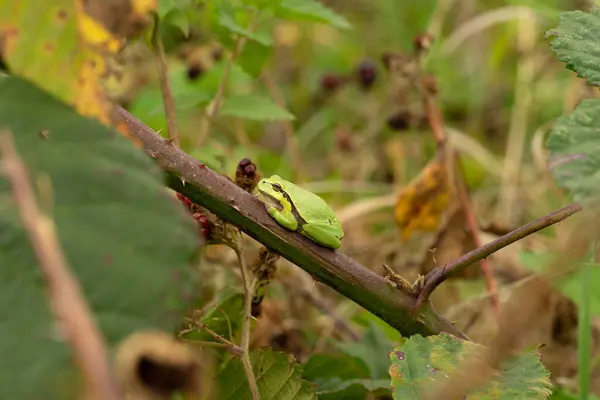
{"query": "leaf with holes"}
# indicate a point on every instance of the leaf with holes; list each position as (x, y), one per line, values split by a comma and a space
(68, 50)
(575, 43)
(277, 376)
(420, 363)
(129, 242)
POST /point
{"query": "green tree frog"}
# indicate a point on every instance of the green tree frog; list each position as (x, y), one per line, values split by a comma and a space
(300, 210)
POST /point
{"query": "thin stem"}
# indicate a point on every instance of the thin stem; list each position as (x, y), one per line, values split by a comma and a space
(214, 334)
(439, 275)
(68, 303)
(467, 208)
(436, 122)
(515, 145)
(321, 304)
(221, 341)
(165, 87)
(245, 342)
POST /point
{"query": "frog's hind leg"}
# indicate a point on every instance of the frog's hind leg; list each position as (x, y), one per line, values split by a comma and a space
(283, 218)
(322, 234)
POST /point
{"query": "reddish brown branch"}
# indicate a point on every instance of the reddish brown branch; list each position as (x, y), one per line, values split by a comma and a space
(436, 122)
(68, 303)
(228, 201)
(465, 202)
(439, 275)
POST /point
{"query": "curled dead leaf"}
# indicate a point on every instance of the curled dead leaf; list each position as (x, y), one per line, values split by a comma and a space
(423, 203)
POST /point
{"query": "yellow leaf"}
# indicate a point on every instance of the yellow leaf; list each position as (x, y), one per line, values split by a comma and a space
(63, 46)
(422, 204)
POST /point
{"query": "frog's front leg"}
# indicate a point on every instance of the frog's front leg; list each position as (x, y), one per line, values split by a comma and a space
(283, 217)
(323, 233)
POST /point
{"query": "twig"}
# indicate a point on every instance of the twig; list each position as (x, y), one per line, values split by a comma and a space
(245, 341)
(213, 107)
(68, 303)
(452, 158)
(525, 303)
(439, 275)
(220, 340)
(322, 305)
(224, 198)
(465, 202)
(165, 87)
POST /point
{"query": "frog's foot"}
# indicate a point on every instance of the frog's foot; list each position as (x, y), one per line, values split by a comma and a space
(322, 233)
(283, 218)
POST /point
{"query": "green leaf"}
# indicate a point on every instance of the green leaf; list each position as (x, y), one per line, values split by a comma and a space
(166, 6)
(254, 107)
(321, 368)
(576, 43)
(574, 146)
(126, 240)
(225, 318)
(570, 286)
(373, 350)
(365, 319)
(312, 11)
(148, 106)
(277, 376)
(419, 362)
(179, 19)
(340, 376)
(254, 58)
(227, 20)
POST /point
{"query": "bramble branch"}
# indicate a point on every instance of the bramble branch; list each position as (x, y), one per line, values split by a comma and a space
(439, 275)
(231, 203)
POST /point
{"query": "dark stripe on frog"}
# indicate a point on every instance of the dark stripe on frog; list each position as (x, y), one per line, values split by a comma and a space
(294, 211)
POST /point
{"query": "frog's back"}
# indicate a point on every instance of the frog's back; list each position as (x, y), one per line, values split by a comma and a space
(319, 206)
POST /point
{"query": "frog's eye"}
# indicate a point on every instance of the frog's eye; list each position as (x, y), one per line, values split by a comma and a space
(277, 187)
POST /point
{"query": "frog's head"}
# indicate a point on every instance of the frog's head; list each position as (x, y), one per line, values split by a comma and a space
(271, 191)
